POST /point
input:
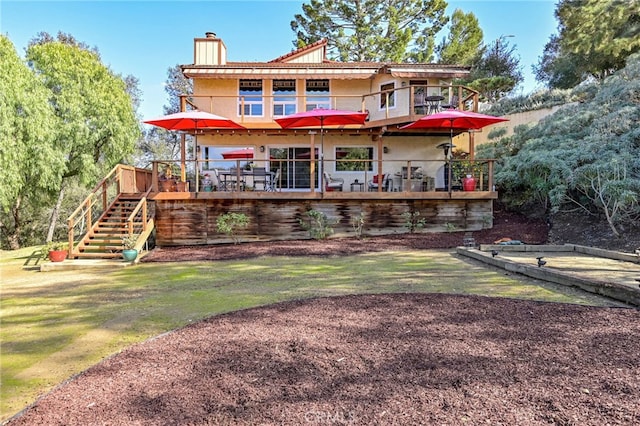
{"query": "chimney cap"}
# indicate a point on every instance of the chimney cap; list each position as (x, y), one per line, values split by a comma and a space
(210, 34)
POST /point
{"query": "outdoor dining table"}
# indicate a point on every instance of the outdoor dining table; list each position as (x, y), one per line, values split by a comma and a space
(234, 179)
(433, 103)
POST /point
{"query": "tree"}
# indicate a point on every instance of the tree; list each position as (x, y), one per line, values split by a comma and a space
(98, 122)
(497, 72)
(595, 46)
(463, 44)
(560, 70)
(372, 30)
(32, 166)
(98, 126)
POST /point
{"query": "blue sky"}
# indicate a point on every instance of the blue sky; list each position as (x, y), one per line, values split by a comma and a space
(146, 38)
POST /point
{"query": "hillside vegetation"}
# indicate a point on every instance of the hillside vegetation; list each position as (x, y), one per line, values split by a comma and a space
(582, 161)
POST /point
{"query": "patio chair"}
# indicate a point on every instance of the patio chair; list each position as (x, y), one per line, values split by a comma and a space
(387, 183)
(222, 183)
(451, 105)
(260, 178)
(273, 183)
(332, 184)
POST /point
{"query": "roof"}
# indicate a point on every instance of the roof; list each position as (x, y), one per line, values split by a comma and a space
(311, 62)
(322, 70)
(303, 50)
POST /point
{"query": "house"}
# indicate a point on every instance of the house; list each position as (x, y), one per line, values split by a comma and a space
(333, 169)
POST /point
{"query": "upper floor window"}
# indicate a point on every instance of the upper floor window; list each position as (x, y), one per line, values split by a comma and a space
(250, 98)
(347, 159)
(318, 95)
(387, 93)
(284, 97)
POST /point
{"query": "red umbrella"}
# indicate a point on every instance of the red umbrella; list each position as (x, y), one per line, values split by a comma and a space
(454, 119)
(321, 117)
(238, 154)
(193, 120)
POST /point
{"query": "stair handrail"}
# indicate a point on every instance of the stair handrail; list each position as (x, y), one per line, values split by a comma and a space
(85, 210)
(147, 221)
(104, 194)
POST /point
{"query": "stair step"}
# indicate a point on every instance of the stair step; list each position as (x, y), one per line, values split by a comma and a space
(85, 255)
(102, 247)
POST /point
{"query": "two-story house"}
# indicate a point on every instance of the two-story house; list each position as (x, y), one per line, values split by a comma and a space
(275, 175)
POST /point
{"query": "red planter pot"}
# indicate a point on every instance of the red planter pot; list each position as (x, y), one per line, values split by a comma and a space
(57, 255)
(469, 184)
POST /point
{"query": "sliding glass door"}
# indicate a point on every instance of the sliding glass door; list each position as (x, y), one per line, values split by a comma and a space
(295, 167)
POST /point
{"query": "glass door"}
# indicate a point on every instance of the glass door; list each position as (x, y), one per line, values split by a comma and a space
(295, 167)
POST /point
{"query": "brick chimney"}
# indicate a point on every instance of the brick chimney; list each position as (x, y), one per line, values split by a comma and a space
(209, 50)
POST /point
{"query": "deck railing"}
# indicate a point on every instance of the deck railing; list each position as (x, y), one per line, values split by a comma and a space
(304, 175)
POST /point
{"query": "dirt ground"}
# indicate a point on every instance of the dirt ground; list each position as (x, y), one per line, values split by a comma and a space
(562, 229)
(401, 359)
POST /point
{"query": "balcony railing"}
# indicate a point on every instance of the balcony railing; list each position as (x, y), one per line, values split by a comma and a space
(398, 103)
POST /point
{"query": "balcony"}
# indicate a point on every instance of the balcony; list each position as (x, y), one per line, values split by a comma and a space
(393, 107)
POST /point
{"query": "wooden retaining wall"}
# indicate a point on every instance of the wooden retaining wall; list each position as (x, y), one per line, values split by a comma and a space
(193, 221)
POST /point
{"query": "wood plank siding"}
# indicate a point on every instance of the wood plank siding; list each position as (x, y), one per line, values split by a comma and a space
(193, 221)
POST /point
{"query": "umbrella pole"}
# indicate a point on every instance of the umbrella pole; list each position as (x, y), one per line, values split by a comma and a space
(449, 171)
(321, 175)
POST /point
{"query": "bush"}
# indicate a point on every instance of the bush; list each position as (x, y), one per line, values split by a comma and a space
(230, 223)
(318, 224)
(413, 221)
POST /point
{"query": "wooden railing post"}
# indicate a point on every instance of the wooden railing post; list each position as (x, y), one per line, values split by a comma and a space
(490, 183)
(104, 196)
(70, 237)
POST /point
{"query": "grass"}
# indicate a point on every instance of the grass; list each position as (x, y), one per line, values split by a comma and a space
(57, 324)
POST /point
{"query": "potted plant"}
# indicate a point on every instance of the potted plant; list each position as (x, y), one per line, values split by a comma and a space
(465, 171)
(56, 251)
(167, 182)
(129, 253)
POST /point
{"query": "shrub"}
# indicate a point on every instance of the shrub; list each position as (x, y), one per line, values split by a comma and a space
(357, 222)
(413, 221)
(318, 224)
(230, 223)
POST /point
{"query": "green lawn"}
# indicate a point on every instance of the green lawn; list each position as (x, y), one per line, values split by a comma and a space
(56, 324)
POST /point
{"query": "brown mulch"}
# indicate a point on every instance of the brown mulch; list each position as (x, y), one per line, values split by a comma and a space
(401, 359)
(506, 225)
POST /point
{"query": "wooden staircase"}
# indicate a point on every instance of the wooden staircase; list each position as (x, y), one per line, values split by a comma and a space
(118, 206)
(105, 240)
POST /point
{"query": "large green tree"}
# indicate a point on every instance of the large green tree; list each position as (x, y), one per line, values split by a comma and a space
(32, 166)
(68, 119)
(98, 124)
(594, 39)
(463, 44)
(372, 30)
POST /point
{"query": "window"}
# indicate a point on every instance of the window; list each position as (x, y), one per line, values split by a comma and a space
(346, 159)
(318, 95)
(387, 92)
(250, 98)
(284, 97)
